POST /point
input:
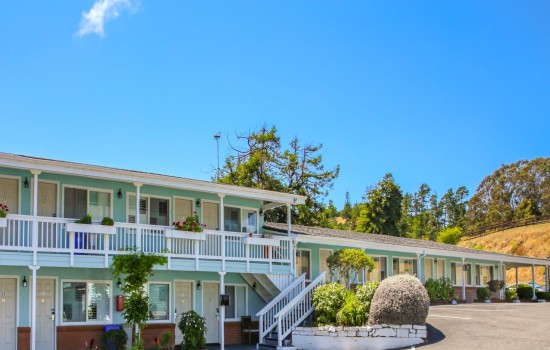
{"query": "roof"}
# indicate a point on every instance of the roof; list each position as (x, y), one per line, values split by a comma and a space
(392, 243)
(103, 172)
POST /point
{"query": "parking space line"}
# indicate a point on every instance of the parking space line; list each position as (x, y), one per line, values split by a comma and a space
(474, 310)
(460, 318)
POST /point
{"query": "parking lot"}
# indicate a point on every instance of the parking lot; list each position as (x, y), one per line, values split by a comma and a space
(489, 326)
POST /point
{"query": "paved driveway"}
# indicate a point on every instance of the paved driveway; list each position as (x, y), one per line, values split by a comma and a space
(489, 326)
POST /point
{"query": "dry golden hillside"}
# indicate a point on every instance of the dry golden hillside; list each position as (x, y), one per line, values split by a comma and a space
(533, 241)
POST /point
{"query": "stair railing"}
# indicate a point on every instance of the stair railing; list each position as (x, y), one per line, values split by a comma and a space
(297, 310)
(266, 315)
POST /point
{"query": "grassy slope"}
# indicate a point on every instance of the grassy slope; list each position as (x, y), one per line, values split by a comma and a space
(533, 241)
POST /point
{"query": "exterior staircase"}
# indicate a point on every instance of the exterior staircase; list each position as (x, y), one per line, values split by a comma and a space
(268, 286)
(285, 312)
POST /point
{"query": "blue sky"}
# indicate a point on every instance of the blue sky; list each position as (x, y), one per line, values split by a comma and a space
(434, 92)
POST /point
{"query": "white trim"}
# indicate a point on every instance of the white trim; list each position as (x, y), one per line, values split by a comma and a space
(193, 292)
(168, 300)
(412, 258)
(19, 189)
(380, 271)
(241, 208)
(301, 238)
(56, 301)
(94, 171)
(88, 189)
(87, 322)
(495, 270)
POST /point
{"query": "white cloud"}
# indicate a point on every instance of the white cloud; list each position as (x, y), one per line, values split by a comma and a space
(94, 20)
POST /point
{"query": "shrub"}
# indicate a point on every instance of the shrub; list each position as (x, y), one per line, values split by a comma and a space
(353, 312)
(346, 261)
(115, 339)
(440, 289)
(525, 292)
(86, 219)
(193, 328)
(510, 294)
(400, 299)
(450, 235)
(365, 293)
(483, 293)
(107, 221)
(327, 301)
(542, 295)
(495, 285)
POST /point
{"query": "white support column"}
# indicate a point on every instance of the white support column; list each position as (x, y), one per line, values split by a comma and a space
(222, 228)
(516, 278)
(35, 174)
(463, 279)
(533, 280)
(502, 277)
(222, 312)
(288, 218)
(34, 268)
(546, 278)
(419, 267)
(138, 229)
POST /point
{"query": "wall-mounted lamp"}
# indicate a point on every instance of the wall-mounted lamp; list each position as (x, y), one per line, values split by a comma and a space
(53, 314)
(119, 193)
(198, 203)
(261, 212)
(175, 313)
(119, 284)
(435, 260)
(198, 284)
(26, 183)
(24, 281)
(254, 286)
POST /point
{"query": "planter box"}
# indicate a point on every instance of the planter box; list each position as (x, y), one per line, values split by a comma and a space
(171, 233)
(261, 241)
(3, 222)
(90, 228)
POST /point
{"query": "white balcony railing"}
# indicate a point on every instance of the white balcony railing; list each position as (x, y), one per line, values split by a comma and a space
(50, 235)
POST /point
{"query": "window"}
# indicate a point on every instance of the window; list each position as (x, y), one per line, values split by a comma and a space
(152, 210)
(456, 273)
(428, 268)
(484, 274)
(210, 215)
(302, 263)
(237, 302)
(404, 265)
(323, 267)
(441, 268)
(77, 203)
(86, 302)
(232, 219)
(379, 271)
(249, 221)
(158, 301)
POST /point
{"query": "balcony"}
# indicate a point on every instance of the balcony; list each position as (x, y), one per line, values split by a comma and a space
(57, 242)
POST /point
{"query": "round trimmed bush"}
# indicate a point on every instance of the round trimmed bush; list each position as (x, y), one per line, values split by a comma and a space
(400, 299)
(483, 294)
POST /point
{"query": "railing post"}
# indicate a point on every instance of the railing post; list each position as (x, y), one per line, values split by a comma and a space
(261, 326)
(71, 247)
(197, 255)
(247, 254)
(270, 257)
(106, 249)
(222, 240)
(169, 250)
(279, 333)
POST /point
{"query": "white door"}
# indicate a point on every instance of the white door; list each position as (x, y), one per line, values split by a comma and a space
(45, 303)
(184, 303)
(9, 194)
(8, 301)
(47, 199)
(210, 309)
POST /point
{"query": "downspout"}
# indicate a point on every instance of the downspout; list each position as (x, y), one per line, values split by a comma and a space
(463, 279)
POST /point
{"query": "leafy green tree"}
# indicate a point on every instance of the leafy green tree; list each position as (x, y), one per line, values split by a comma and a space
(136, 267)
(450, 235)
(261, 163)
(346, 211)
(382, 211)
(348, 261)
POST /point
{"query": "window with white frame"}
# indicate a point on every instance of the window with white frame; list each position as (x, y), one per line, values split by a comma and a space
(240, 220)
(441, 268)
(152, 210)
(78, 202)
(484, 273)
(456, 273)
(404, 265)
(210, 215)
(379, 271)
(86, 302)
(159, 296)
(303, 264)
(237, 302)
(428, 268)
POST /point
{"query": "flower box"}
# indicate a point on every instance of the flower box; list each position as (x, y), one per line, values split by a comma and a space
(261, 241)
(91, 228)
(3, 222)
(171, 233)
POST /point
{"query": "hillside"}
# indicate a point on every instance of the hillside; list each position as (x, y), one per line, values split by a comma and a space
(533, 241)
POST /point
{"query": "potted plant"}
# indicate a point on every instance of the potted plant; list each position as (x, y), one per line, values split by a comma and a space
(190, 228)
(3, 213)
(85, 225)
(193, 328)
(115, 339)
